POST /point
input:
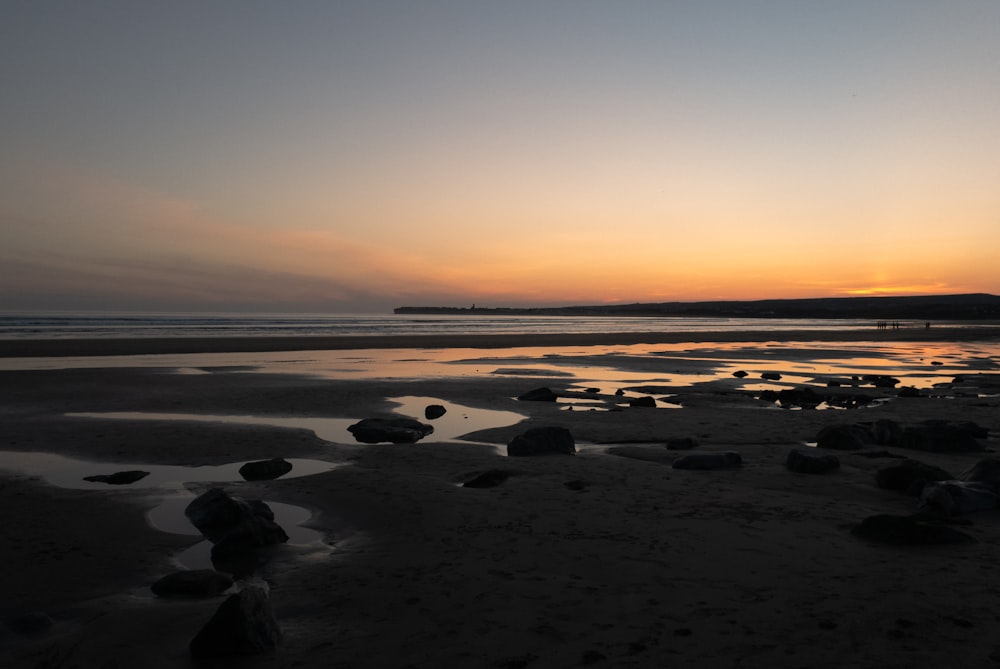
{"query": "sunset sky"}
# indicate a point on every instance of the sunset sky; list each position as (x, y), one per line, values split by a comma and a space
(356, 156)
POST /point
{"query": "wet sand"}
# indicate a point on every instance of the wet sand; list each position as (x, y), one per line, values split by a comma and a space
(633, 564)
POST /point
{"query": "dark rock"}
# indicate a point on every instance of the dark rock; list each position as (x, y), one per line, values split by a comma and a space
(265, 470)
(811, 461)
(909, 530)
(708, 461)
(243, 625)
(843, 437)
(908, 391)
(739, 374)
(576, 485)
(194, 583)
(771, 376)
(30, 623)
(681, 444)
(985, 471)
(490, 479)
(880, 380)
(542, 441)
(939, 437)
(951, 498)
(909, 476)
(393, 430)
(801, 397)
(886, 432)
(592, 391)
(642, 402)
(768, 396)
(538, 395)
(118, 478)
(432, 411)
(233, 524)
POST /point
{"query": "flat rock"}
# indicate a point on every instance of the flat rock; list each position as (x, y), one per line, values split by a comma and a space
(392, 430)
(243, 625)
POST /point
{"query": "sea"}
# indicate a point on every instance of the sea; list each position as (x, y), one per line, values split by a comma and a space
(88, 325)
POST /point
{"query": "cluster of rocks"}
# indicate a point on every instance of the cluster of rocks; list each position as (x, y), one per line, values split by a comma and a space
(244, 623)
(809, 398)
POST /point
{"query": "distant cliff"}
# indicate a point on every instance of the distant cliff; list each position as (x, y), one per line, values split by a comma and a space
(975, 306)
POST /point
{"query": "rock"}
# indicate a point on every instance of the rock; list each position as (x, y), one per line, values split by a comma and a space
(886, 432)
(908, 391)
(909, 476)
(768, 396)
(393, 430)
(592, 391)
(939, 437)
(490, 479)
(985, 471)
(542, 441)
(681, 444)
(811, 461)
(642, 402)
(739, 374)
(908, 530)
(538, 395)
(432, 411)
(30, 623)
(118, 478)
(708, 461)
(265, 470)
(880, 380)
(801, 397)
(243, 625)
(194, 583)
(619, 392)
(843, 437)
(234, 525)
(771, 376)
(951, 498)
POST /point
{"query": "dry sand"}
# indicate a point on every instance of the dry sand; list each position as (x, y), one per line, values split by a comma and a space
(633, 565)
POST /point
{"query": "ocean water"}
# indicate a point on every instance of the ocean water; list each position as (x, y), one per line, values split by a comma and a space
(120, 325)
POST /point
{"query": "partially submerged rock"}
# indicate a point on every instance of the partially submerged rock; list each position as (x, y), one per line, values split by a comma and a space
(432, 411)
(118, 478)
(708, 461)
(538, 395)
(265, 470)
(243, 625)
(393, 430)
(542, 441)
(193, 583)
(235, 526)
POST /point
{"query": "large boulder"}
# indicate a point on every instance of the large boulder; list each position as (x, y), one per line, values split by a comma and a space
(194, 583)
(393, 430)
(236, 526)
(243, 625)
(265, 470)
(843, 437)
(708, 461)
(909, 476)
(811, 461)
(542, 441)
(951, 498)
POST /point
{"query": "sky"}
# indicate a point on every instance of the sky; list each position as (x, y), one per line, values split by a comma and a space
(360, 155)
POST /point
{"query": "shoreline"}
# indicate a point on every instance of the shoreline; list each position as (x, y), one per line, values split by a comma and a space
(33, 348)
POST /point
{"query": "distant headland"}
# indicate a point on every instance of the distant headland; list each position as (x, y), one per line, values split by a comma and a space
(974, 306)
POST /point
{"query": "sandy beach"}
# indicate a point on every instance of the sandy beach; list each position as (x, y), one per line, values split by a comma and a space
(607, 558)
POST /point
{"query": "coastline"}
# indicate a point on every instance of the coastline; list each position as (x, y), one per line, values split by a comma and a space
(594, 559)
(16, 348)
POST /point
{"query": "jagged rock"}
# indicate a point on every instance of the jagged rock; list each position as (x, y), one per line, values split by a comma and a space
(243, 625)
(118, 478)
(909, 530)
(707, 461)
(393, 430)
(542, 441)
(811, 461)
(265, 470)
(681, 444)
(538, 395)
(843, 437)
(909, 476)
(647, 453)
(771, 376)
(489, 479)
(432, 411)
(592, 391)
(642, 402)
(194, 583)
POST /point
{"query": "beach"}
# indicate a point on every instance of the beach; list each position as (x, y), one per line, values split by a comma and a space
(609, 558)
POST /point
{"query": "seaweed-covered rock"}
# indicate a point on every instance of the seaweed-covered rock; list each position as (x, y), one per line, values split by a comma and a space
(648, 402)
(433, 411)
(118, 478)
